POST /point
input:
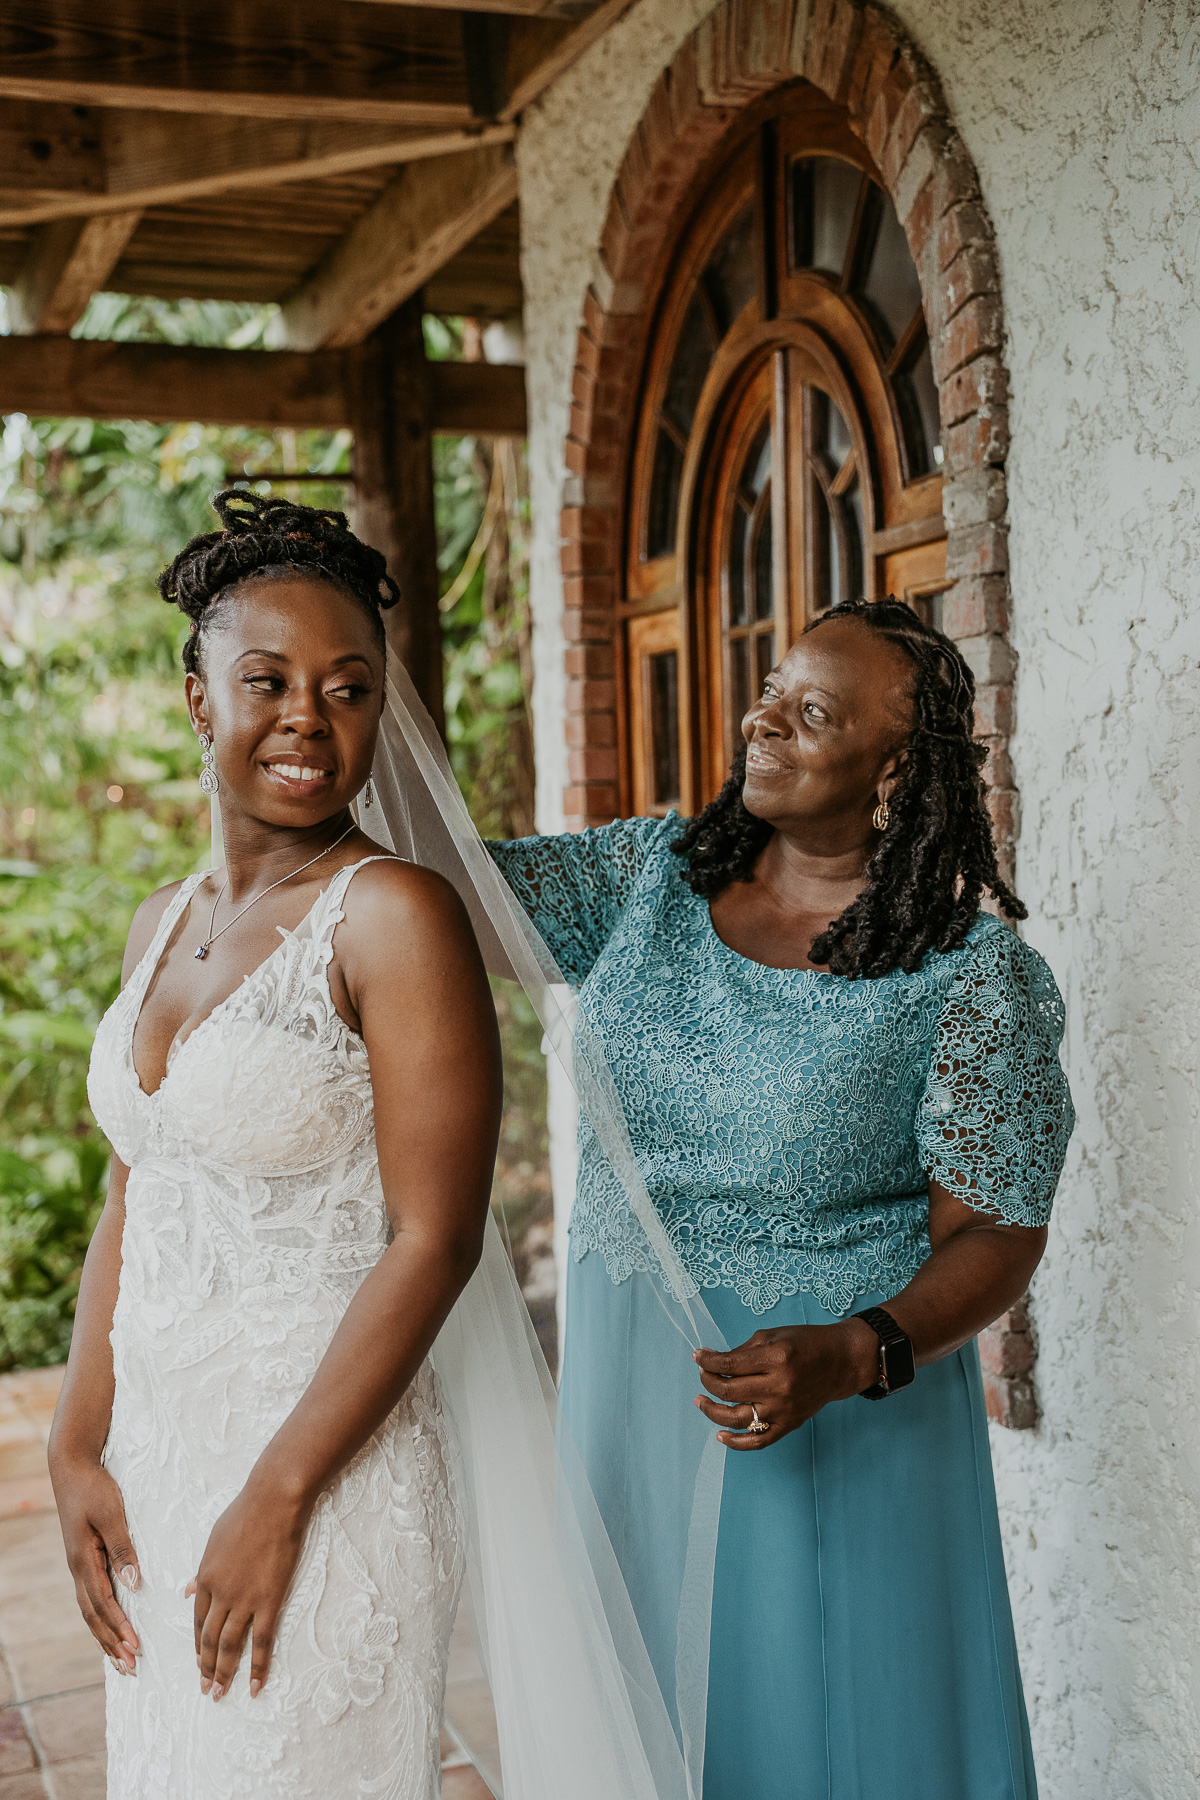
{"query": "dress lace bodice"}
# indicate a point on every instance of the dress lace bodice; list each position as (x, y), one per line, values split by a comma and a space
(787, 1122)
(254, 1209)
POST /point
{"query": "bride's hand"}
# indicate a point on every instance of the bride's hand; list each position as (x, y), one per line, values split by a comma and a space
(92, 1515)
(786, 1375)
(242, 1582)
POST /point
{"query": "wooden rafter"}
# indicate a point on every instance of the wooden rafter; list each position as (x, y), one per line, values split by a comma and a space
(282, 59)
(148, 159)
(57, 377)
(67, 261)
(547, 68)
(418, 223)
(541, 9)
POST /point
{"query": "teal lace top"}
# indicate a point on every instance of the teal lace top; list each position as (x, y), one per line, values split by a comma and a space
(787, 1121)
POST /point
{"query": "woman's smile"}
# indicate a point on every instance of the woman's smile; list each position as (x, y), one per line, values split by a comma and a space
(295, 776)
(765, 762)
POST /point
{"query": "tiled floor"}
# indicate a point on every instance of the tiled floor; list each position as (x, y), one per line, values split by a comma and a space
(51, 1671)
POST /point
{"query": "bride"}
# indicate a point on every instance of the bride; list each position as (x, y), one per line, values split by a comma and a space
(267, 1493)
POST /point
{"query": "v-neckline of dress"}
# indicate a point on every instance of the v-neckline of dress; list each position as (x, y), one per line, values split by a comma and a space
(159, 942)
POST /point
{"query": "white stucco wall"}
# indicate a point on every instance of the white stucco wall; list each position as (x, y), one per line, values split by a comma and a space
(1083, 117)
(1084, 120)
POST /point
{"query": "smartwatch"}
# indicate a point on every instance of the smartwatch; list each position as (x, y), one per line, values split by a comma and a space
(897, 1364)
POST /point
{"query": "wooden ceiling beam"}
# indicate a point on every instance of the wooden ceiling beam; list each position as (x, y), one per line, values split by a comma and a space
(281, 59)
(67, 261)
(412, 230)
(537, 9)
(527, 84)
(151, 159)
(57, 377)
(49, 150)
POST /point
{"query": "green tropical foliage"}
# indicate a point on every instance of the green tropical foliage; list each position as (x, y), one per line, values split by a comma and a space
(98, 796)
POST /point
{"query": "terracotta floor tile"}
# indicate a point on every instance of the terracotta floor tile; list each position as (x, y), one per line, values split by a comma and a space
(469, 1711)
(69, 1727)
(36, 1387)
(16, 1751)
(49, 1611)
(82, 1779)
(54, 1665)
(18, 1534)
(39, 1569)
(22, 1787)
(33, 1494)
(457, 1784)
(6, 1686)
(25, 1458)
(16, 1428)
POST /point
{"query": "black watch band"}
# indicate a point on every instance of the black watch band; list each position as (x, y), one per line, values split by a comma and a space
(897, 1364)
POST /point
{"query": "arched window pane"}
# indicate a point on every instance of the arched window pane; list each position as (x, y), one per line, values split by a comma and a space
(837, 569)
(766, 658)
(823, 198)
(892, 287)
(663, 507)
(693, 355)
(663, 675)
(758, 461)
(739, 685)
(729, 279)
(917, 401)
(852, 507)
(748, 547)
(764, 574)
(838, 441)
(738, 539)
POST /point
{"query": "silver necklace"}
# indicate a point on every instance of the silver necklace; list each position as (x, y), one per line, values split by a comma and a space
(212, 937)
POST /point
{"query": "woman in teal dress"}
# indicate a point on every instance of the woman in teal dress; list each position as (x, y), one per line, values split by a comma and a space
(830, 1119)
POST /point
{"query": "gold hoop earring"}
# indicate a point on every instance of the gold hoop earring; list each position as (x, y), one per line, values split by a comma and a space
(881, 818)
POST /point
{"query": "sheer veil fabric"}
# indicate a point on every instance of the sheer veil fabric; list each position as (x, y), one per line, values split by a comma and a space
(582, 1707)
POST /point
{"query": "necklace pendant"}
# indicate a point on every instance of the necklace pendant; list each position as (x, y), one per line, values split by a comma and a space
(201, 953)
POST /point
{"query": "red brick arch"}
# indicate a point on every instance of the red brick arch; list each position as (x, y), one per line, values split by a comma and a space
(860, 57)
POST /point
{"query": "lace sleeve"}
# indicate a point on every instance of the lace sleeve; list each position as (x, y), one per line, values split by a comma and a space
(574, 886)
(996, 1114)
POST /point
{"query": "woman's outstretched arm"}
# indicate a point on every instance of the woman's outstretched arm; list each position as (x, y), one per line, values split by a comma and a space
(413, 977)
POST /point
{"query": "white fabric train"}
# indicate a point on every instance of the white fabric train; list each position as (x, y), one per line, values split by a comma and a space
(578, 1706)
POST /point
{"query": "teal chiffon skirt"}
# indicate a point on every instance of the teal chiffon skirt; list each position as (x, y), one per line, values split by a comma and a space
(862, 1643)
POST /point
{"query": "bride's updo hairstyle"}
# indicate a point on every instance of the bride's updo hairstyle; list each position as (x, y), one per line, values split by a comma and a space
(937, 856)
(267, 539)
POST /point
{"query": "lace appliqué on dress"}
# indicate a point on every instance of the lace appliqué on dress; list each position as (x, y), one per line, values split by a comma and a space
(254, 1209)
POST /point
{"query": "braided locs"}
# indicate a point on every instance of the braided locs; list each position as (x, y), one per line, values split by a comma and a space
(937, 856)
(262, 534)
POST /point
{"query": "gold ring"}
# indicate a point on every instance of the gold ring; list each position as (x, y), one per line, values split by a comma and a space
(756, 1425)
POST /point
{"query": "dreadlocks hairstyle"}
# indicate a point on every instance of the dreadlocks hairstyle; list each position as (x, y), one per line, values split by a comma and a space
(266, 537)
(937, 856)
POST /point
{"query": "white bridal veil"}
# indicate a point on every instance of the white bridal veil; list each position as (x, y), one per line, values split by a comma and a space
(584, 1711)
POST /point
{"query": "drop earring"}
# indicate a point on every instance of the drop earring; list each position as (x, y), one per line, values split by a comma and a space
(368, 793)
(208, 774)
(881, 818)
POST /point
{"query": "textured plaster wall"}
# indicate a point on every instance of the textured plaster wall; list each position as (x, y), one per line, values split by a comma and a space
(1084, 121)
(1083, 117)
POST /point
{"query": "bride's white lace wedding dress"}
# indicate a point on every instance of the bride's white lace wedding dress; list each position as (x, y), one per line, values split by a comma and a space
(253, 1211)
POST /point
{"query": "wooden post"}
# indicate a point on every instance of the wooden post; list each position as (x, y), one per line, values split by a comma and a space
(388, 387)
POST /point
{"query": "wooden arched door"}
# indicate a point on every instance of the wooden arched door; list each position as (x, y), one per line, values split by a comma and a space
(786, 451)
